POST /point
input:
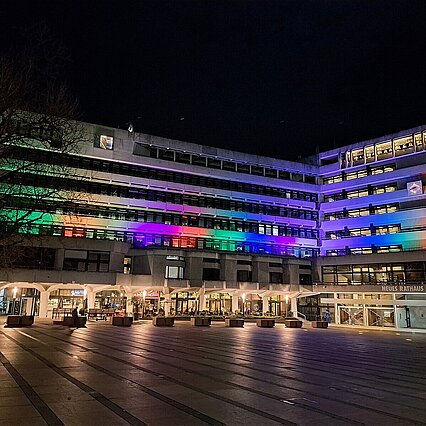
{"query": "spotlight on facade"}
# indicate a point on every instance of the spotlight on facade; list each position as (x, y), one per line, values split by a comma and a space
(130, 129)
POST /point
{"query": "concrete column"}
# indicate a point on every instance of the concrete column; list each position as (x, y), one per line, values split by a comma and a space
(167, 304)
(265, 304)
(202, 300)
(293, 305)
(44, 303)
(129, 304)
(234, 303)
(91, 299)
(336, 312)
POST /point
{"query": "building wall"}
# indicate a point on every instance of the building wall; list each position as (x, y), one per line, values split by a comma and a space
(276, 223)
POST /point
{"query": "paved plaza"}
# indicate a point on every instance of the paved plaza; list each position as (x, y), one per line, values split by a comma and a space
(104, 375)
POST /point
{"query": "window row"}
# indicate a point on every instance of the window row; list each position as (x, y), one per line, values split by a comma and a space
(146, 241)
(31, 257)
(365, 211)
(82, 260)
(369, 171)
(182, 220)
(361, 232)
(364, 250)
(158, 174)
(380, 274)
(166, 197)
(213, 274)
(363, 192)
(383, 150)
(215, 163)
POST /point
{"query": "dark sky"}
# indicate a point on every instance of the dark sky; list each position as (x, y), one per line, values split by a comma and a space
(269, 77)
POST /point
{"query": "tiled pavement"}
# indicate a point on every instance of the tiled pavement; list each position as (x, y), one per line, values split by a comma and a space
(104, 375)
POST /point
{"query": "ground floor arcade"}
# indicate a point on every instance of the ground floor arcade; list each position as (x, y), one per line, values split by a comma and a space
(42, 299)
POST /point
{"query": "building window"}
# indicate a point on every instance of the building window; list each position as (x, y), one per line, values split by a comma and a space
(403, 146)
(305, 279)
(127, 265)
(384, 150)
(275, 277)
(211, 274)
(104, 142)
(244, 276)
(174, 272)
(82, 261)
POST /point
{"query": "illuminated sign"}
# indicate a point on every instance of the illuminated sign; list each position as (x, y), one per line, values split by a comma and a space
(106, 142)
(415, 188)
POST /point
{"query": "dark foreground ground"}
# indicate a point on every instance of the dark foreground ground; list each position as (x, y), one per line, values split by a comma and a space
(104, 375)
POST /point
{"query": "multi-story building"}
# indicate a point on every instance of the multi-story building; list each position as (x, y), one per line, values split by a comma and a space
(190, 227)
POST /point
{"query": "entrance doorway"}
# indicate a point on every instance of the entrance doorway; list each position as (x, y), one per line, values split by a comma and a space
(351, 315)
(381, 317)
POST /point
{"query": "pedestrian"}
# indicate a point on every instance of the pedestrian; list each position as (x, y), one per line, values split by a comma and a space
(74, 314)
(327, 315)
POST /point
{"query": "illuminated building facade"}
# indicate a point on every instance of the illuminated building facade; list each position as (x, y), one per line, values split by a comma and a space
(196, 228)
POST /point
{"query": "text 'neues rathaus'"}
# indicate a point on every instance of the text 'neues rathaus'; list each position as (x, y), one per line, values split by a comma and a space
(196, 228)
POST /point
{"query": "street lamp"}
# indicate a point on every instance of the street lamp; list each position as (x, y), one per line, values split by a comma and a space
(243, 296)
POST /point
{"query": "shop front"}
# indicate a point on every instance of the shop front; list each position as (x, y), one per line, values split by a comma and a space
(66, 299)
(400, 310)
(19, 301)
(184, 303)
(218, 303)
(110, 299)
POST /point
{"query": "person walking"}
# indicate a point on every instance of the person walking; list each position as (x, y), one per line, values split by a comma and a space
(74, 314)
(327, 315)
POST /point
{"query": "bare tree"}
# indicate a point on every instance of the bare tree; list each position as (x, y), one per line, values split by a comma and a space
(37, 118)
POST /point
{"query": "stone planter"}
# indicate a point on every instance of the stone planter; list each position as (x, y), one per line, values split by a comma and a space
(26, 320)
(234, 322)
(69, 321)
(19, 320)
(163, 321)
(201, 321)
(265, 322)
(293, 323)
(319, 324)
(122, 321)
(12, 321)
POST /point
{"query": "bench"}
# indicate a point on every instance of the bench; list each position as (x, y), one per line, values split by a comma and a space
(234, 322)
(122, 321)
(163, 321)
(265, 322)
(319, 324)
(201, 321)
(19, 320)
(293, 323)
(68, 321)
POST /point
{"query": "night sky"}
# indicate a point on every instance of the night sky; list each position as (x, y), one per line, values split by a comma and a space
(277, 78)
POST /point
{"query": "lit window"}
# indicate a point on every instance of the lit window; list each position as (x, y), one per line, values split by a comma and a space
(105, 142)
(174, 272)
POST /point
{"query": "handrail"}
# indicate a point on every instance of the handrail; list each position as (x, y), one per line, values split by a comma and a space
(301, 315)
